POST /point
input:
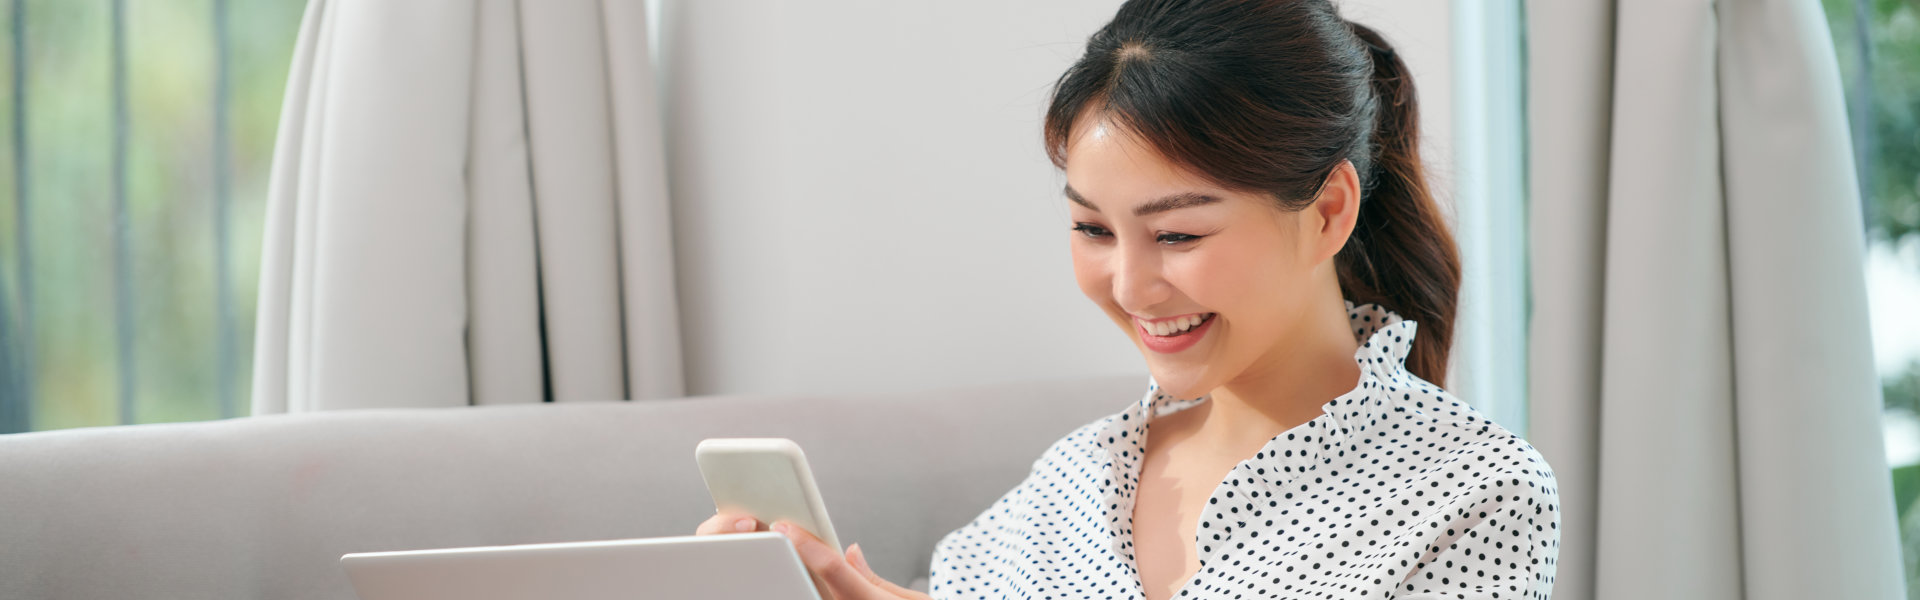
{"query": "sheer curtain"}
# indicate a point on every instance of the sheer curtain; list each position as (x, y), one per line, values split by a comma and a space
(1702, 378)
(468, 206)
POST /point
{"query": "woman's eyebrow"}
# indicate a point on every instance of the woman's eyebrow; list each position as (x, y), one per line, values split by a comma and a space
(1074, 195)
(1160, 205)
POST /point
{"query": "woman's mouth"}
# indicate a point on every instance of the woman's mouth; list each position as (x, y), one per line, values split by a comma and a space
(1173, 335)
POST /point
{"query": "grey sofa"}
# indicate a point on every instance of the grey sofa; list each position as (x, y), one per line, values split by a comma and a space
(263, 507)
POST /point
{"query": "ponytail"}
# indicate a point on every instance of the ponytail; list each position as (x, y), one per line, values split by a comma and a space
(1271, 96)
(1401, 255)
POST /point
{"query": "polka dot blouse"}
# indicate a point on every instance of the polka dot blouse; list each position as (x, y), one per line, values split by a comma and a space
(1399, 490)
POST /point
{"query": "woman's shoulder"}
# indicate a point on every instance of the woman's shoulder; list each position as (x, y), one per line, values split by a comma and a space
(1455, 432)
(1465, 445)
(1083, 443)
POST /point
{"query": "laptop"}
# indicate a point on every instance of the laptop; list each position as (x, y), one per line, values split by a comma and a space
(743, 566)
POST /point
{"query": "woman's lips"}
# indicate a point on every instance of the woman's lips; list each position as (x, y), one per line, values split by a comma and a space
(1177, 342)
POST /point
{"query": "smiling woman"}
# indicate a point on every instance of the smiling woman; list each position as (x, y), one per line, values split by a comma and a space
(1247, 202)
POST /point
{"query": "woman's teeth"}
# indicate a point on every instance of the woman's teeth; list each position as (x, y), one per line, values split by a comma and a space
(1176, 326)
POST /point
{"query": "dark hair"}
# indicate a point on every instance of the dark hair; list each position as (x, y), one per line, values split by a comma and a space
(1270, 96)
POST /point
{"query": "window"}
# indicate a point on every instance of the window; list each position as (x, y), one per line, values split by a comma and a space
(1878, 44)
(135, 140)
(1490, 189)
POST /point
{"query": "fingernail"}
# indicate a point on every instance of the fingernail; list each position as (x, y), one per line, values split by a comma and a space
(781, 527)
(744, 525)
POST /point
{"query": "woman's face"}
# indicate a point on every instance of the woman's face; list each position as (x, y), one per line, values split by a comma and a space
(1210, 284)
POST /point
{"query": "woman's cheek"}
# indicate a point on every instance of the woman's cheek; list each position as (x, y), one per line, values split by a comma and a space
(1218, 277)
(1089, 273)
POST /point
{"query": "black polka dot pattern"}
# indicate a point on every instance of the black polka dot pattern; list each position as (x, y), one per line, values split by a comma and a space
(1399, 490)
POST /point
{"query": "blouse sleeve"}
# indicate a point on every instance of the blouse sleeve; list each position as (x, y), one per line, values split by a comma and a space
(1500, 543)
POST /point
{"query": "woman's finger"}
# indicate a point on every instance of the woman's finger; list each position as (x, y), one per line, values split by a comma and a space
(858, 557)
(830, 567)
(728, 523)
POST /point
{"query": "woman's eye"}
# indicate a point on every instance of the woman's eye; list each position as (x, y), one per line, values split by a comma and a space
(1096, 232)
(1090, 230)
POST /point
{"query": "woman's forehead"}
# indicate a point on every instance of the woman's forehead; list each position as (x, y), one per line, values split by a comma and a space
(1110, 164)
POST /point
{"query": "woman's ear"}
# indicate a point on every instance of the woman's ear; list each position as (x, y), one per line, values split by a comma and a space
(1336, 209)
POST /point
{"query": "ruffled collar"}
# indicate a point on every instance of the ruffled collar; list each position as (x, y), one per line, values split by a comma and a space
(1386, 339)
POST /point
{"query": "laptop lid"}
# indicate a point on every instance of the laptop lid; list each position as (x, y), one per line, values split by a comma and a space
(744, 566)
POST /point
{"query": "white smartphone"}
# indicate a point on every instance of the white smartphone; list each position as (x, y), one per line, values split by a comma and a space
(767, 478)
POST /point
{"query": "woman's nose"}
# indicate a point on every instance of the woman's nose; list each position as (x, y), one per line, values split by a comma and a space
(1137, 280)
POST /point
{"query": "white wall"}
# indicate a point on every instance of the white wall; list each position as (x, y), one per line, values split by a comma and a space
(861, 201)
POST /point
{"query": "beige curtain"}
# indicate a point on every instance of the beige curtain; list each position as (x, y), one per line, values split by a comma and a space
(1702, 378)
(468, 206)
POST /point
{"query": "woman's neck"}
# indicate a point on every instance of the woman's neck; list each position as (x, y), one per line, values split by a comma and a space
(1286, 387)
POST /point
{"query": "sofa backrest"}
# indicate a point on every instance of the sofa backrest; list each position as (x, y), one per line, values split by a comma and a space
(263, 507)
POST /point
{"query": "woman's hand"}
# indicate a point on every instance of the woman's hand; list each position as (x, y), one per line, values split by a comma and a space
(846, 577)
(721, 523)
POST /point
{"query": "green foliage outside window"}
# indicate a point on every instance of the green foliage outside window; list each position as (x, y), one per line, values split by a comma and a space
(57, 268)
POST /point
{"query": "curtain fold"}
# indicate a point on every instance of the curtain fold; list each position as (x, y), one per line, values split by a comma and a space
(468, 206)
(1813, 470)
(1702, 377)
(1668, 470)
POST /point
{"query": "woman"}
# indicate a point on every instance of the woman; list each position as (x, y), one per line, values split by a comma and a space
(1248, 204)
